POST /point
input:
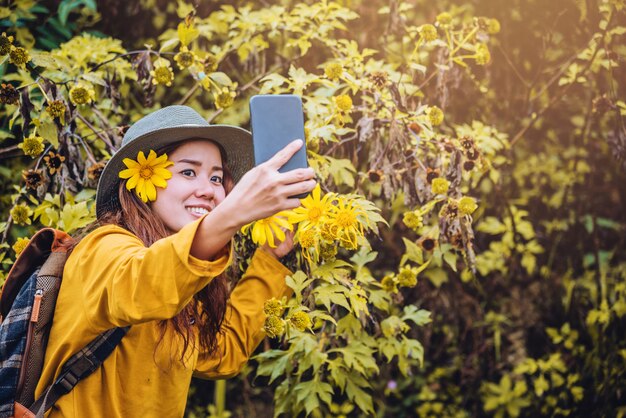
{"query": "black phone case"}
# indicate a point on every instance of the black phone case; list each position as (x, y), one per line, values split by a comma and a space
(276, 120)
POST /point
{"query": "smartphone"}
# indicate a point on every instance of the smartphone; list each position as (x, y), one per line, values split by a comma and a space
(276, 120)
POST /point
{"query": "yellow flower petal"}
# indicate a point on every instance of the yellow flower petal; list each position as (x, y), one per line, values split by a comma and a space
(124, 174)
(150, 190)
(162, 172)
(141, 158)
(132, 182)
(131, 163)
(158, 181)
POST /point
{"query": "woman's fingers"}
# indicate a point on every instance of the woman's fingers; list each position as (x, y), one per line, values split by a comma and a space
(282, 156)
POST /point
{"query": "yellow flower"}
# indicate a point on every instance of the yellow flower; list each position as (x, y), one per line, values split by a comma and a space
(146, 173)
(444, 18)
(345, 223)
(20, 245)
(440, 186)
(407, 277)
(273, 307)
(483, 56)
(274, 326)
(162, 73)
(264, 230)
(412, 219)
(225, 98)
(19, 56)
(333, 71)
(21, 214)
(343, 102)
(82, 94)
(428, 32)
(32, 146)
(493, 26)
(467, 205)
(313, 209)
(389, 283)
(56, 109)
(435, 115)
(301, 320)
(185, 58)
(5, 43)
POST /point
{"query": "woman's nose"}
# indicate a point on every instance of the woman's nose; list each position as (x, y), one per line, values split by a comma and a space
(205, 189)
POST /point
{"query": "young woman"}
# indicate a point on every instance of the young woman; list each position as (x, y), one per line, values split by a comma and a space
(168, 204)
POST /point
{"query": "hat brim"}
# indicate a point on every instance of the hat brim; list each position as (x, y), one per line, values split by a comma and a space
(236, 143)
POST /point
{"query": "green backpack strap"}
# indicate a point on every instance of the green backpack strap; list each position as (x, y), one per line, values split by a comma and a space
(78, 367)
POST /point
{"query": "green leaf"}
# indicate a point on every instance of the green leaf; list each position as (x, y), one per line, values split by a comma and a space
(418, 316)
(360, 397)
(413, 252)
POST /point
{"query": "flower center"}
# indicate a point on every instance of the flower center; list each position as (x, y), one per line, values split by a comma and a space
(314, 214)
(345, 219)
(146, 172)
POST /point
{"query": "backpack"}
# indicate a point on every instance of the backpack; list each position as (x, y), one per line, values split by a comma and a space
(27, 307)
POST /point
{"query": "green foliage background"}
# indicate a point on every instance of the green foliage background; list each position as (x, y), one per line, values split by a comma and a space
(527, 295)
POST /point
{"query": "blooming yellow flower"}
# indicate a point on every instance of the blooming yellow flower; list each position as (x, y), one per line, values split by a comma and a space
(225, 98)
(407, 277)
(5, 43)
(483, 56)
(274, 326)
(345, 223)
(56, 109)
(185, 58)
(301, 320)
(146, 173)
(264, 230)
(82, 94)
(467, 205)
(19, 56)
(440, 186)
(412, 219)
(313, 209)
(444, 18)
(343, 102)
(21, 214)
(32, 146)
(428, 32)
(435, 115)
(273, 307)
(162, 73)
(333, 70)
(19, 245)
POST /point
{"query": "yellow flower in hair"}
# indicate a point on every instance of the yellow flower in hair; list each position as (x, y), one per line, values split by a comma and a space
(264, 230)
(146, 173)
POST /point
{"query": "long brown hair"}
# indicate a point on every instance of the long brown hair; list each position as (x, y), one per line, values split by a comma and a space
(206, 310)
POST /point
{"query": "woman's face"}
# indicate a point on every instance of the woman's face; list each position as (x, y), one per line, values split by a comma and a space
(196, 186)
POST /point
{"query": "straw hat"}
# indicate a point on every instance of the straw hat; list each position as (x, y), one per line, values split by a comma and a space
(167, 126)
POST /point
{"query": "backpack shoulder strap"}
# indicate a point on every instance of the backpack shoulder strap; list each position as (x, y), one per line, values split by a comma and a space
(78, 367)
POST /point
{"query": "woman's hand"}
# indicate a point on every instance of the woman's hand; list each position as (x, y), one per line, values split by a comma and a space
(264, 191)
(261, 192)
(283, 248)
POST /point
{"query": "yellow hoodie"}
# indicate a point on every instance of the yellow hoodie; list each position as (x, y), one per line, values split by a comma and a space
(110, 280)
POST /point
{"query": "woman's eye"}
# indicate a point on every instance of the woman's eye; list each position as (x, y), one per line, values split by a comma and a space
(188, 173)
(217, 179)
